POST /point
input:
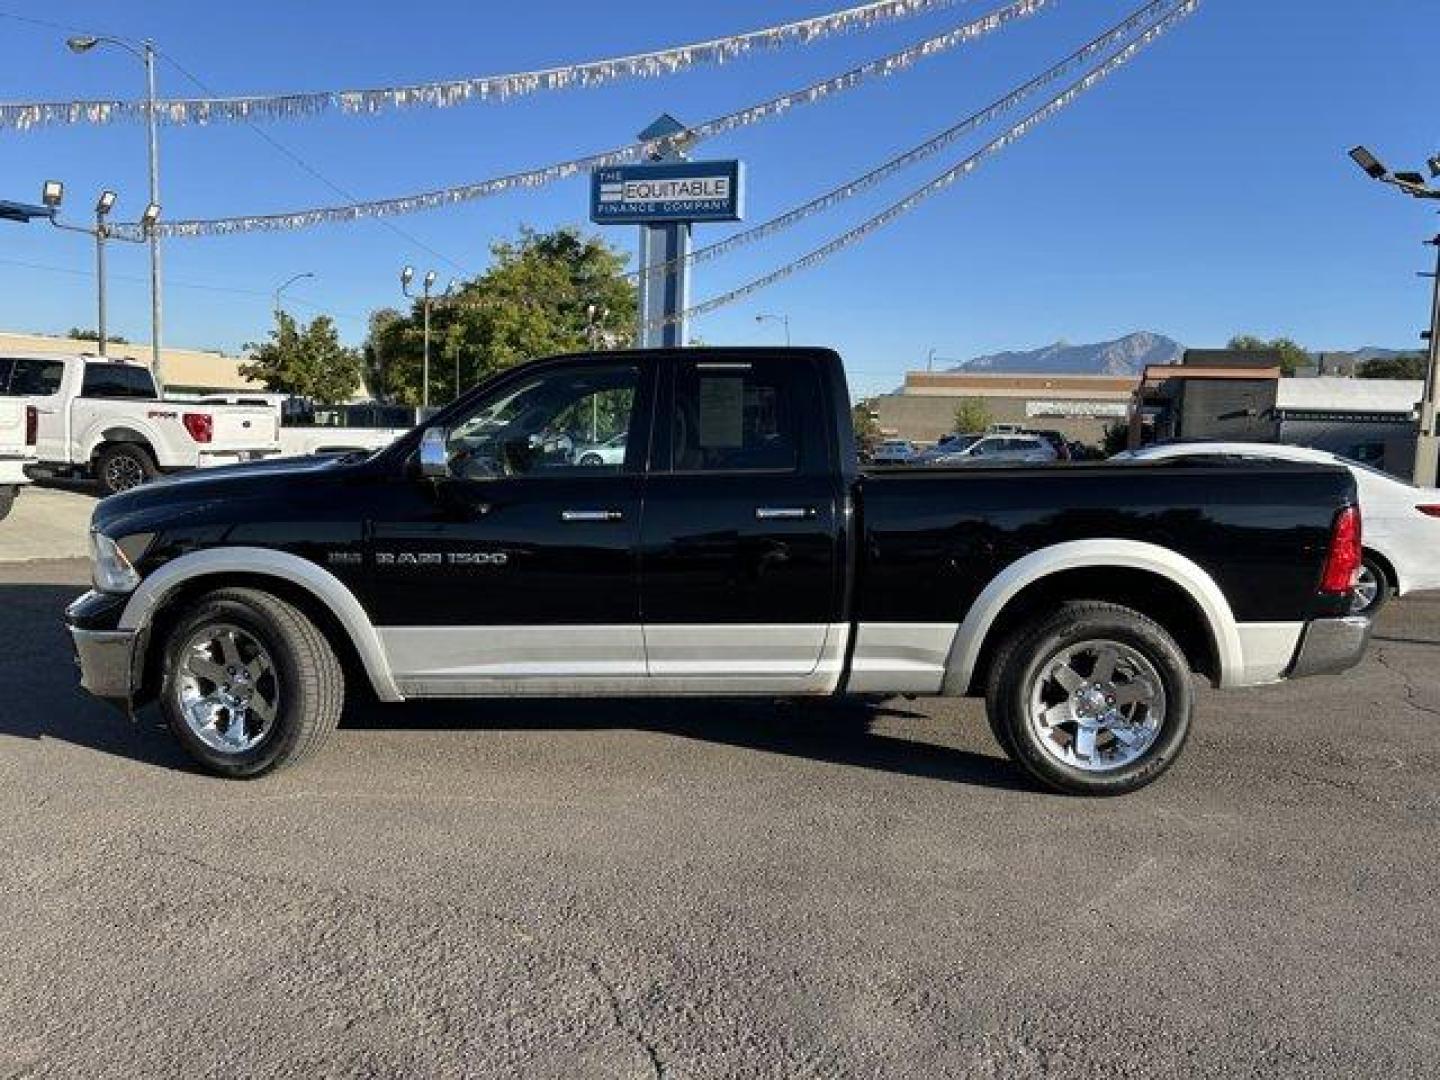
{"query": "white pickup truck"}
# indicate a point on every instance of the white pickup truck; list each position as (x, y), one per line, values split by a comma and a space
(104, 418)
(17, 449)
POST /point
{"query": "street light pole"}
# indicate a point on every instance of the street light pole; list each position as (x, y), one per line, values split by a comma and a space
(54, 193)
(406, 277)
(290, 281)
(1427, 442)
(785, 319)
(1427, 445)
(145, 53)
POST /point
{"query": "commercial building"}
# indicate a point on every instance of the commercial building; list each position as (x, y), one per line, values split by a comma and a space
(1079, 406)
(1242, 397)
(186, 371)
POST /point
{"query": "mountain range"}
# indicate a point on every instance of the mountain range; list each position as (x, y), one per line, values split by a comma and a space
(1129, 355)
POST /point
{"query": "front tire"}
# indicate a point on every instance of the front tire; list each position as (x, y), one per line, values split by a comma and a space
(250, 683)
(1094, 699)
(8, 496)
(124, 466)
(592, 460)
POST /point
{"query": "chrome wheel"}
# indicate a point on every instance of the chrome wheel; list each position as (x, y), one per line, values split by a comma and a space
(123, 472)
(1097, 705)
(1368, 588)
(227, 688)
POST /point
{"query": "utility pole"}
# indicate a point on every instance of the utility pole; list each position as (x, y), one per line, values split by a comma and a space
(1427, 445)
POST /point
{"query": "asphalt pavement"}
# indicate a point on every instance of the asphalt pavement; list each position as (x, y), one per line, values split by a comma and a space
(711, 889)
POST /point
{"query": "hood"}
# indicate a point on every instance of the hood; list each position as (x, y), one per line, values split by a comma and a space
(187, 489)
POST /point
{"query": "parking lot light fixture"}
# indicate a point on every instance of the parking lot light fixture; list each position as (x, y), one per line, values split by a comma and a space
(105, 203)
(1370, 163)
(52, 194)
(81, 43)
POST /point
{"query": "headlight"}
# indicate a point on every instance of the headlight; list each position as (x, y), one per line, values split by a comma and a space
(109, 568)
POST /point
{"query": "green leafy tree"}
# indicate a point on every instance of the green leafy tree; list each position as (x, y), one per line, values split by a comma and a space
(307, 361)
(867, 427)
(544, 293)
(76, 333)
(971, 416)
(1292, 355)
(1116, 438)
(1394, 367)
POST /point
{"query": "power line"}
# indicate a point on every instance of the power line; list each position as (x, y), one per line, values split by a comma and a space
(314, 172)
(881, 67)
(948, 177)
(447, 93)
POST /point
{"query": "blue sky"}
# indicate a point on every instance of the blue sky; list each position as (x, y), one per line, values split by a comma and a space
(1201, 191)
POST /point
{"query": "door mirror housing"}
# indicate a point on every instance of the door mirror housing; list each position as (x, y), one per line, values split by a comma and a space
(434, 454)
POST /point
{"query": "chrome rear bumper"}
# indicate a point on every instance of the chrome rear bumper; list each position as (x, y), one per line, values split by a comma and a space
(1330, 645)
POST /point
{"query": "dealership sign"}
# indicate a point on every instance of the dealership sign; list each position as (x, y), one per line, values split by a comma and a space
(667, 191)
(1078, 410)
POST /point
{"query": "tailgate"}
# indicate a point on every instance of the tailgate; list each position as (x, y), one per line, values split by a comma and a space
(244, 427)
(12, 430)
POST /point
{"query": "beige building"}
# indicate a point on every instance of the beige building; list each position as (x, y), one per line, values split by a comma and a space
(185, 371)
(1079, 406)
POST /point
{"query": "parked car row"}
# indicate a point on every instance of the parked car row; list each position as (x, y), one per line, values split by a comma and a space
(1010, 445)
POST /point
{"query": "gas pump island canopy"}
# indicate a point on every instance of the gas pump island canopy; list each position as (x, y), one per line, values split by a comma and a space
(655, 193)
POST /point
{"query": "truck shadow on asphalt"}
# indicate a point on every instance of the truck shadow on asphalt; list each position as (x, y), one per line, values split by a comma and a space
(40, 698)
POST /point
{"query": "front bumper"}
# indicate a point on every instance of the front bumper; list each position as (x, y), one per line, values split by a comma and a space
(107, 662)
(1330, 645)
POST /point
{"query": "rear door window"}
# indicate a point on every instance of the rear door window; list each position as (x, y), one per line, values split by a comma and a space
(740, 416)
(117, 381)
(30, 377)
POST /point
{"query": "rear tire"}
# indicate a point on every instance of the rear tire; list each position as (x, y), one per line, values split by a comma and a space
(1094, 699)
(1372, 589)
(591, 460)
(124, 466)
(250, 683)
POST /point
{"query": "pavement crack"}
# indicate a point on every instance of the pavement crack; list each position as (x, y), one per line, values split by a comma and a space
(617, 1012)
(1406, 684)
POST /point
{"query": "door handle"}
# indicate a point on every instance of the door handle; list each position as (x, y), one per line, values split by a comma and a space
(592, 515)
(784, 513)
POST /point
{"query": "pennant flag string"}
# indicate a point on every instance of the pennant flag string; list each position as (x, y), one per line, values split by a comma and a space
(930, 147)
(882, 67)
(945, 179)
(23, 116)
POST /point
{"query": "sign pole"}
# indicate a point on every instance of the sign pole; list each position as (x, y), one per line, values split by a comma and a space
(665, 196)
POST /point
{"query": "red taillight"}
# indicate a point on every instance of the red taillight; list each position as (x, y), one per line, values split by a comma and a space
(32, 425)
(1342, 563)
(1429, 511)
(201, 426)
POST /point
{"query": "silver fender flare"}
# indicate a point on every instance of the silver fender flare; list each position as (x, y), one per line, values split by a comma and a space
(263, 562)
(1094, 554)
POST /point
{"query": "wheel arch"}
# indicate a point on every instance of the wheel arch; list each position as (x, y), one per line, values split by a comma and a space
(319, 594)
(118, 434)
(1167, 586)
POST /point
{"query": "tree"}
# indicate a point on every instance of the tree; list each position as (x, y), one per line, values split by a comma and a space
(1116, 438)
(307, 361)
(971, 416)
(1394, 367)
(862, 416)
(1292, 355)
(544, 293)
(76, 333)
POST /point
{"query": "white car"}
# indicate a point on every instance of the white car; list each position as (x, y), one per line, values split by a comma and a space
(17, 449)
(1003, 448)
(893, 452)
(106, 419)
(1401, 523)
(609, 452)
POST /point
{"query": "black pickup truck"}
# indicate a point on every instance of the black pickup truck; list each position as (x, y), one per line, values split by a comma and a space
(694, 522)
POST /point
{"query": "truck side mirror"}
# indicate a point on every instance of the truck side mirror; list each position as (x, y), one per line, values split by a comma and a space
(434, 454)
